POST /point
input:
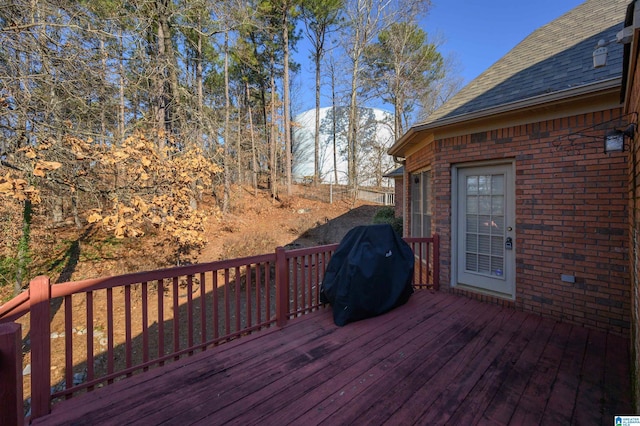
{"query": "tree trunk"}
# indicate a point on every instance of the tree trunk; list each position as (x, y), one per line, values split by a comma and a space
(227, 107)
(352, 134)
(103, 97)
(173, 97)
(239, 177)
(316, 152)
(287, 102)
(274, 143)
(398, 111)
(74, 210)
(254, 162)
(58, 210)
(334, 111)
(199, 85)
(121, 118)
(158, 96)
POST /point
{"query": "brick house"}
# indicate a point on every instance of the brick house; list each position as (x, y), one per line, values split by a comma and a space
(512, 175)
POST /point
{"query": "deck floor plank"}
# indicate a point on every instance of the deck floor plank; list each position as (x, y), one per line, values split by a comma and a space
(617, 366)
(320, 380)
(434, 372)
(297, 362)
(562, 400)
(536, 395)
(590, 390)
(439, 359)
(364, 335)
(352, 400)
(212, 380)
(469, 374)
(192, 369)
(503, 368)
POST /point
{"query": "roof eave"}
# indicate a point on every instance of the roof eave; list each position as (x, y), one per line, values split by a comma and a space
(409, 138)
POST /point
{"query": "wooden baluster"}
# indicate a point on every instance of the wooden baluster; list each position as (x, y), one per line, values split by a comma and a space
(203, 311)
(282, 287)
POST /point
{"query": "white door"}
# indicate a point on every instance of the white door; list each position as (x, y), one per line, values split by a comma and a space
(485, 240)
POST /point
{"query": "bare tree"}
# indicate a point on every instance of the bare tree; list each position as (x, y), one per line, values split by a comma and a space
(402, 68)
(441, 90)
(364, 20)
(321, 17)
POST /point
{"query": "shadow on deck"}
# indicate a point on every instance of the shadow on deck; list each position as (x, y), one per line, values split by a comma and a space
(439, 359)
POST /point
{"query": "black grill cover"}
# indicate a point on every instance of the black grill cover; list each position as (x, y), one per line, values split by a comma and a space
(369, 274)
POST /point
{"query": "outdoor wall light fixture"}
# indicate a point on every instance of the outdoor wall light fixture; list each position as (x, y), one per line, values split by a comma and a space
(614, 139)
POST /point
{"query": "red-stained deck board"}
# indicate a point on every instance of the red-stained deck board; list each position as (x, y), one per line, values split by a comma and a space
(503, 369)
(510, 388)
(483, 353)
(562, 398)
(163, 386)
(591, 386)
(532, 402)
(416, 366)
(362, 359)
(439, 359)
(616, 392)
(338, 351)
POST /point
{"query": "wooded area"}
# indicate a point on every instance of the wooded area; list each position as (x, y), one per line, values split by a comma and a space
(124, 114)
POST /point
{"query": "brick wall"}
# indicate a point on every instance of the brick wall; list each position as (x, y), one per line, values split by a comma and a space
(571, 215)
(634, 222)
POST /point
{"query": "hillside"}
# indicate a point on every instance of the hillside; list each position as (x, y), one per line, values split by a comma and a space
(255, 225)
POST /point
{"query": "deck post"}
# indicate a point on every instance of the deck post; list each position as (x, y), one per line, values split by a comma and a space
(282, 287)
(11, 411)
(40, 290)
(436, 262)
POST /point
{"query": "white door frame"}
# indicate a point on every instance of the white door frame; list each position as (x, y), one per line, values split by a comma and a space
(510, 257)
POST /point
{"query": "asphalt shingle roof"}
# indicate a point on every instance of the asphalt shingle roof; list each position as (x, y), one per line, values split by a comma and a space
(555, 57)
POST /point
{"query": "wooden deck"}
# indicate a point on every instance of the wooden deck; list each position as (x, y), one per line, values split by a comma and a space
(439, 359)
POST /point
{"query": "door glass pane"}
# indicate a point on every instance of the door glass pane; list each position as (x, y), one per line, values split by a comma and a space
(484, 185)
(497, 184)
(484, 244)
(497, 266)
(472, 204)
(498, 225)
(472, 185)
(484, 204)
(497, 204)
(472, 223)
(484, 264)
(472, 262)
(484, 224)
(472, 243)
(497, 248)
(485, 228)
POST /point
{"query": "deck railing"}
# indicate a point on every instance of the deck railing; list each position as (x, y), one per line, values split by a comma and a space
(111, 328)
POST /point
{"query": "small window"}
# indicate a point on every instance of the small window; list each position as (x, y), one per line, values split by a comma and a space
(421, 204)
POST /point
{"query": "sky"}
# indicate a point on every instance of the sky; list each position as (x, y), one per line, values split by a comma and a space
(479, 33)
(476, 32)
